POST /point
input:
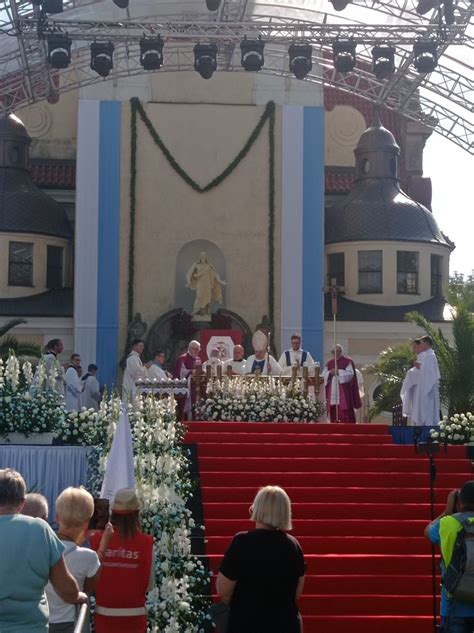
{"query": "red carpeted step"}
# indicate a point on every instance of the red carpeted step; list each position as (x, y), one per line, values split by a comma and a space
(264, 477)
(359, 584)
(344, 544)
(208, 437)
(311, 449)
(368, 624)
(246, 494)
(288, 427)
(323, 527)
(407, 511)
(328, 464)
(347, 564)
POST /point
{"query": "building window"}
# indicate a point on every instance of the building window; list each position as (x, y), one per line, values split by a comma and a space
(436, 275)
(407, 272)
(370, 271)
(336, 269)
(20, 264)
(54, 267)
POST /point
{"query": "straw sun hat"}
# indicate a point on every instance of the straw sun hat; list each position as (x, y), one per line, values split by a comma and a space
(125, 501)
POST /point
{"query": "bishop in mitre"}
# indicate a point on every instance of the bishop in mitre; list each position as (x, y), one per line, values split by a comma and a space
(262, 362)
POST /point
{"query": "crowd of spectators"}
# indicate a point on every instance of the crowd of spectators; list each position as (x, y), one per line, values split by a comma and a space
(45, 576)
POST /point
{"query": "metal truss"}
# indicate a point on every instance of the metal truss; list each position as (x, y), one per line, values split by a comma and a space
(443, 100)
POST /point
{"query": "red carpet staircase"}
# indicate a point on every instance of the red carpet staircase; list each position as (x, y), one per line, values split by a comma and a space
(360, 505)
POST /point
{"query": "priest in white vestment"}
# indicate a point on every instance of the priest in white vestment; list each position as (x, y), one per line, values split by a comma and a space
(91, 389)
(214, 362)
(73, 389)
(155, 370)
(135, 370)
(238, 362)
(295, 357)
(425, 410)
(262, 363)
(410, 383)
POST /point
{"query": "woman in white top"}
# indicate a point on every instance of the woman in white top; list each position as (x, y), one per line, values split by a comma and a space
(74, 509)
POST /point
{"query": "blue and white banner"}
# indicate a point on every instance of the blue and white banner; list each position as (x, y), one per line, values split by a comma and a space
(96, 287)
(302, 238)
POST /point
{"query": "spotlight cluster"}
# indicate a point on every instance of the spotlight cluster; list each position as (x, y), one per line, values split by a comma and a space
(425, 56)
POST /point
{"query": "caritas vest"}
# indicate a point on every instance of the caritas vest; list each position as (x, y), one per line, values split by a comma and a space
(125, 570)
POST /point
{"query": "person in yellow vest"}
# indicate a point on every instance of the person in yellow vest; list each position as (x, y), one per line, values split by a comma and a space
(456, 616)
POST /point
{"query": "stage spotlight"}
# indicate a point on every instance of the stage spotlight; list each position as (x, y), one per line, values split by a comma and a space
(213, 5)
(340, 5)
(151, 53)
(102, 57)
(300, 59)
(344, 56)
(205, 59)
(383, 57)
(252, 57)
(425, 56)
(59, 50)
(53, 6)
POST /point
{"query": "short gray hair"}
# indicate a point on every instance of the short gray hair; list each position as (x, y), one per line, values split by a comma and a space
(272, 507)
(35, 506)
(12, 488)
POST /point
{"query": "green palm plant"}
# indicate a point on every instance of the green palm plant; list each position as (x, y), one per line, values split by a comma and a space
(11, 343)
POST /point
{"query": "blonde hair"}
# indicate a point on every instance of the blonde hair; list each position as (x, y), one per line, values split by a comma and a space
(74, 507)
(272, 507)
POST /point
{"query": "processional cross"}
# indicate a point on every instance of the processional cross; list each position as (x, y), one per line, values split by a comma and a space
(335, 290)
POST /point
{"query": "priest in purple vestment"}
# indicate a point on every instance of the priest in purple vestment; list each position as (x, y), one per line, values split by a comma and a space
(185, 366)
(342, 390)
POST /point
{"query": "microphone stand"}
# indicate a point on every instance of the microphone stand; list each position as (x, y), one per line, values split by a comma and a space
(429, 448)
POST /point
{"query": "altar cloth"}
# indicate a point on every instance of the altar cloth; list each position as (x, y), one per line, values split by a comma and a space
(47, 469)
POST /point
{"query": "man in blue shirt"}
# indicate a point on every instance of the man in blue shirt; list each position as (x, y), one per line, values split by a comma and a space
(456, 617)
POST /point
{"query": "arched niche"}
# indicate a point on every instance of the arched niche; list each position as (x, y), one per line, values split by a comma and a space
(189, 253)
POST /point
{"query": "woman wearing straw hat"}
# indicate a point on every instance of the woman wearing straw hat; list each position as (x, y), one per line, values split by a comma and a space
(127, 570)
(262, 574)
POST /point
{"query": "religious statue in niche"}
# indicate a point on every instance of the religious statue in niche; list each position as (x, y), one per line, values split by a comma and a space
(205, 280)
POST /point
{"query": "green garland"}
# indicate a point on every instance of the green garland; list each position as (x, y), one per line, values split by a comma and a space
(268, 114)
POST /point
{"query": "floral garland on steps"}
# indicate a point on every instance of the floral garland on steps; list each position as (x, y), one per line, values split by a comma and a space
(268, 115)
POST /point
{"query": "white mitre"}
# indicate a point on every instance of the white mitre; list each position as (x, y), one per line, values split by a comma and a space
(259, 341)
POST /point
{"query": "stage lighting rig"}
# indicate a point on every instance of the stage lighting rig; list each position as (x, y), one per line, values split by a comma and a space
(300, 59)
(383, 64)
(344, 55)
(205, 59)
(425, 56)
(252, 57)
(340, 5)
(151, 53)
(59, 50)
(102, 57)
(213, 5)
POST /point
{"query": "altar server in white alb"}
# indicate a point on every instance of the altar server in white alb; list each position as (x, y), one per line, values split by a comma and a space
(135, 370)
(91, 389)
(155, 370)
(72, 381)
(238, 362)
(295, 357)
(410, 382)
(425, 411)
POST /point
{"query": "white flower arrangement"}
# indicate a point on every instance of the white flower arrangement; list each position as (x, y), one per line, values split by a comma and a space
(458, 429)
(178, 604)
(28, 404)
(257, 399)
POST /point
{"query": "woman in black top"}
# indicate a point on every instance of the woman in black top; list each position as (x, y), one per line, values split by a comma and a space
(262, 574)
